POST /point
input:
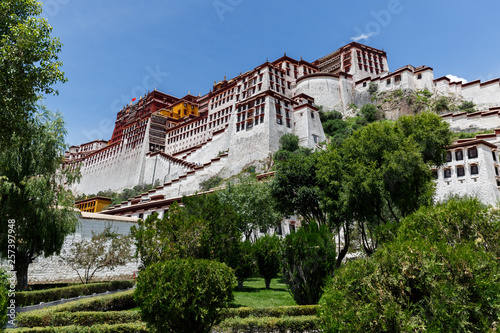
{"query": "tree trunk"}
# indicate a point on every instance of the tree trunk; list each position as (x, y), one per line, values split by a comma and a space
(240, 284)
(22, 274)
(268, 283)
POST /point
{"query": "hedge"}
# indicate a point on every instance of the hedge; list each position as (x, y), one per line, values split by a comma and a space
(281, 311)
(115, 302)
(50, 318)
(299, 324)
(26, 298)
(137, 327)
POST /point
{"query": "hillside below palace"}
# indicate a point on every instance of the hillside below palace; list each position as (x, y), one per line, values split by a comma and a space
(181, 142)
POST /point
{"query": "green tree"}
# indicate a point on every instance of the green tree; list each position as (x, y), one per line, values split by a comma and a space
(245, 266)
(380, 174)
(267, 253)
(104, 250)
(372, 88)
(467, 106)
(221, 236)
(441, 105)
(289, 142)
(176, 235)
(324, 116)
(308, 259)
(371, 113)
(32, 195)
(295, 187)
(184, 295)
(29, 65)
(253, 203)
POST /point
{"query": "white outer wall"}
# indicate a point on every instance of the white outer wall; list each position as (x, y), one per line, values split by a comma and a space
(325, 91)
(51, 269)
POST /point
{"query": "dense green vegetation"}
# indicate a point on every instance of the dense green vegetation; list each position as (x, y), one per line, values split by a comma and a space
(363, 186)
(439, 274)
(184, 295)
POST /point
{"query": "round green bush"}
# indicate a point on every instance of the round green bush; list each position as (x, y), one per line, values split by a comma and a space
(308, 259)
(184, 295)
(415, 286)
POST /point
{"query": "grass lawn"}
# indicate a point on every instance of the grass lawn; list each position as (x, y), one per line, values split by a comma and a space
(255, 295)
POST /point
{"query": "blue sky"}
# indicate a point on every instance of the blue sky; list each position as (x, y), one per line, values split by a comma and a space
(116, 50)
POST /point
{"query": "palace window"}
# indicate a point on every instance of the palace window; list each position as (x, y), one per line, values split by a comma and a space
(397, 78)
(472, 152)
(494, 156)
(474, 169)
(435, 174)
(447, 173)
(448, 156)
(419, 77)
(460, 171)
(459, 155)
(388, 81)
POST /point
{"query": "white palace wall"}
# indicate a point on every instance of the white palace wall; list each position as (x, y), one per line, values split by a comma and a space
(53, 270)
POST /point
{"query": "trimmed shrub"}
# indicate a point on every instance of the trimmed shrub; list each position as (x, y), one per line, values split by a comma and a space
(308, 258)
(280, 311)
(50, 318)
(184, 295)
(267, 253)
(271, 325)
(4, 296)
(118, 328)
(26, 298)
(114, 302)
(415, 286)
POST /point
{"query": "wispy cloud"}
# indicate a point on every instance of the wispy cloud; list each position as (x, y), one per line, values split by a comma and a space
(454, 78)
(362, 37)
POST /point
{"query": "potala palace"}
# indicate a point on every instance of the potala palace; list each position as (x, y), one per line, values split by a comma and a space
(180, 142)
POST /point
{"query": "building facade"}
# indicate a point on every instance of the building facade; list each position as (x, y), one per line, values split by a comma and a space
(181, 142)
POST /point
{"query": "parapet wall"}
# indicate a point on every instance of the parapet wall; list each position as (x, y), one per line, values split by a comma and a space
(473, 122)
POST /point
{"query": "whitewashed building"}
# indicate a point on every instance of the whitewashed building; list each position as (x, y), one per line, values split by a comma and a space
(471, 169)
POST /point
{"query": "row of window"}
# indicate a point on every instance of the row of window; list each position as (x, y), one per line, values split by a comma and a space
(249, 124)
(460, 171)
(459, 154)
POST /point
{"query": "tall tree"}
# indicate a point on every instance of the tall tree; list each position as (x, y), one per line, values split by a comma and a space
(253, 203)
(382, 173)
(32, 195)
(29, 64)
(295, 186)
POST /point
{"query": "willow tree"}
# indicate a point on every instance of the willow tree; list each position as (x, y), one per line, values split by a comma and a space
(31, 194)
(31, 139)
(29, 64)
